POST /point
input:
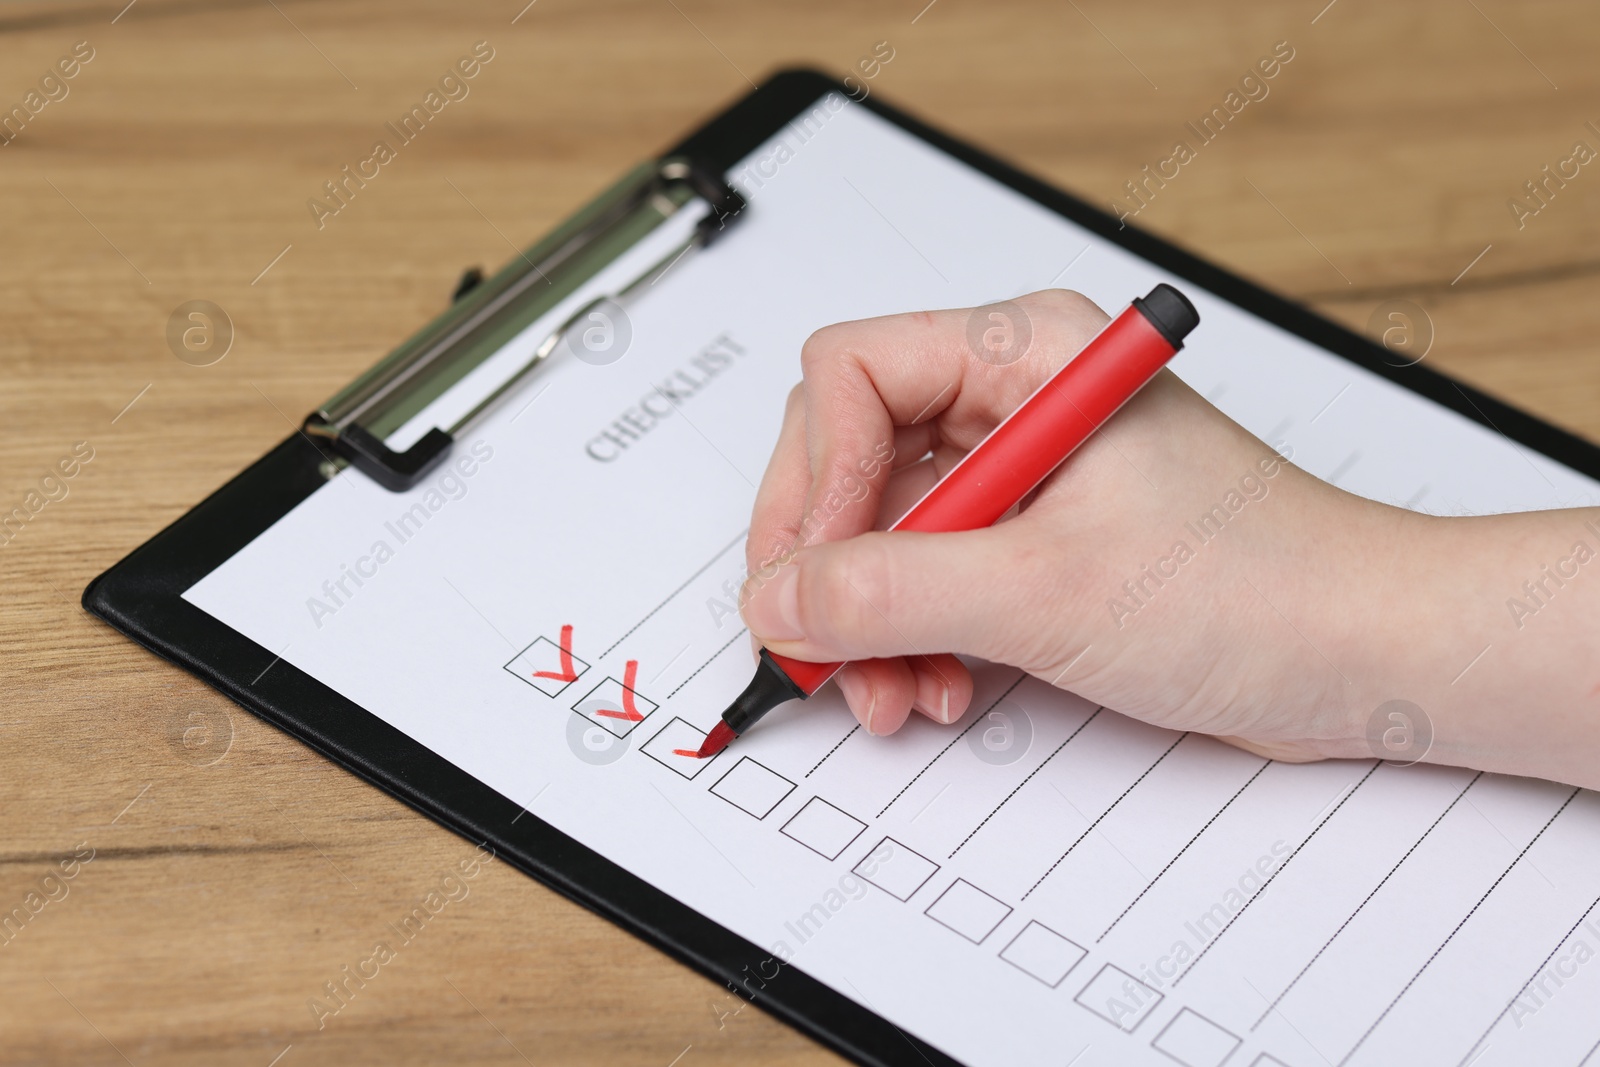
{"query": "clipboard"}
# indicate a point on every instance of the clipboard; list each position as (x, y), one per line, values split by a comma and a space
(142, 595)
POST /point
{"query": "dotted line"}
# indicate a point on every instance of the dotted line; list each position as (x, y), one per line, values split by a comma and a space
(1103, 814)
(1457, 929)
(708, 662)
(1024, 782)
(952, 744)
(1536, 971)
(675, 592)
(1414, 846)
(835, 748)
(1182, 850)
(1273, 876)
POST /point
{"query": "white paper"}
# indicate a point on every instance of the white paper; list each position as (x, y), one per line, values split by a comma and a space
(1409, 915)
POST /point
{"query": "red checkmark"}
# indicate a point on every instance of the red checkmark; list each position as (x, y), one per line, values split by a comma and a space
(566, 674)
(630, 710)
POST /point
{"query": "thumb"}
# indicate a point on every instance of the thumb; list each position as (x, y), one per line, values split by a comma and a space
(898, 594)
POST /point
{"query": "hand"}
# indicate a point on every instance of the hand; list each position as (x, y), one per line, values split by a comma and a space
(1175, 569)
(1172, 569)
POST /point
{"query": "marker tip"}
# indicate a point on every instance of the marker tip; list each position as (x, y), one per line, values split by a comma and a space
(717, 740)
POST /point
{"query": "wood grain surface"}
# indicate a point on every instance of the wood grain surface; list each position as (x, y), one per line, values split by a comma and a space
(234, 872)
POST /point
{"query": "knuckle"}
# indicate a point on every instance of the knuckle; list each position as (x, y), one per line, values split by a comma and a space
(848, 595)
(821, 348)
(1049, 597)
(1062, 300)
(1067, 308)
(780, 545)
(1064, 319)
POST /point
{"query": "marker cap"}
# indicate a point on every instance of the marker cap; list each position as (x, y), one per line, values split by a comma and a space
(1170, 312)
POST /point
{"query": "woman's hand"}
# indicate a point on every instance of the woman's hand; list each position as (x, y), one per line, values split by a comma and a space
(1175, 569)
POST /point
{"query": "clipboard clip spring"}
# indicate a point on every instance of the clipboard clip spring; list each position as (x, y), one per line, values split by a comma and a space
(353, 425)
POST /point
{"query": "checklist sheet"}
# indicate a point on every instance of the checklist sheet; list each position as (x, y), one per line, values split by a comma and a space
(554, 611)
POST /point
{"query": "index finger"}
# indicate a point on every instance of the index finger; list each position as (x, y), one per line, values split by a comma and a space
(864, 379)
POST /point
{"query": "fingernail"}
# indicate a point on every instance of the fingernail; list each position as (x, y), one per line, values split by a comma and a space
(859, 693)
(773, 611)
(933, 699)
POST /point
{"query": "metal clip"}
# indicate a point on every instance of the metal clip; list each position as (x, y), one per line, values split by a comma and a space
(484, 317)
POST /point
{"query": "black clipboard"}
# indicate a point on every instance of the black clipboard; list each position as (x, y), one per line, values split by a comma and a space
(142, 594)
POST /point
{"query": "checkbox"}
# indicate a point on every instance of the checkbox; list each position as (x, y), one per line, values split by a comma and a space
(614, 707)
(545, 666)
(1119, 998)
(1195, 1041)
(674, 747)
(823, 828)
(1042, 953)
(895, 869)
(968, 910)
(752, 788)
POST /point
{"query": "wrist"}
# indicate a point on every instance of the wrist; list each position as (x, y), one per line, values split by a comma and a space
(1443, 671)
(1511, 621)
(1363, 573)
(1399, 632)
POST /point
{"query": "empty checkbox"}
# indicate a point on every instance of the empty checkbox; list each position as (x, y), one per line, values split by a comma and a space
(968, 910)
(823, 828)
(752, 788)
(896, 869)
(1195, 1041)
(614, 707)
(1119, 998)
(674, 747)
(1042, 953)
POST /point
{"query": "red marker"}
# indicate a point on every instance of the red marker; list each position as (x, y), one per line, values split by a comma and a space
(1019, 454)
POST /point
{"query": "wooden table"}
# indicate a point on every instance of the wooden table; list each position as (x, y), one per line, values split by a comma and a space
(232, 876)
